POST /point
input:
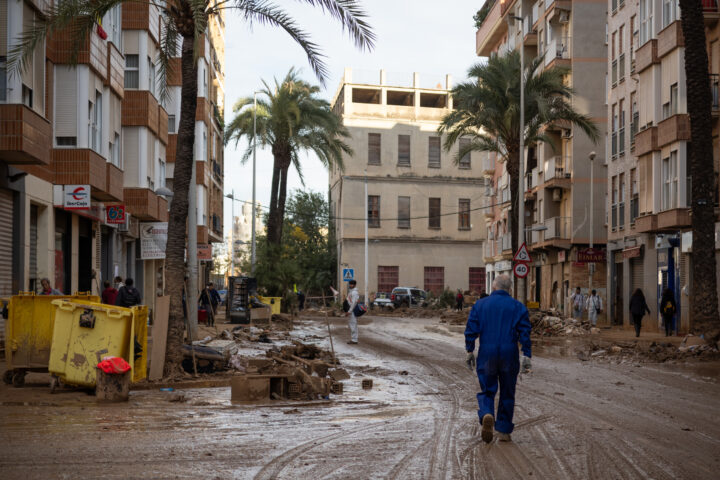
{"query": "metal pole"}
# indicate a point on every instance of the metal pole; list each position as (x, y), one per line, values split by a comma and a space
(591, 266)
(232, 232)
(367, 220)
(521, 170)
(254, 213)
(192, 294)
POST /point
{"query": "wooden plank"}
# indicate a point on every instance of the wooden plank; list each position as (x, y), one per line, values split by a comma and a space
(159, 337)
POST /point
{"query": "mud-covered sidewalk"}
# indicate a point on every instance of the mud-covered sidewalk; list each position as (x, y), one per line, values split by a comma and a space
(574, 419)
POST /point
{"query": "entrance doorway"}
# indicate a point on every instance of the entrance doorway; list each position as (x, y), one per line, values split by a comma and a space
(617, 281)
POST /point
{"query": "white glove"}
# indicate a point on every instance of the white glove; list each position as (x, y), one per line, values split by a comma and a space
(470, 360)
(526, 364)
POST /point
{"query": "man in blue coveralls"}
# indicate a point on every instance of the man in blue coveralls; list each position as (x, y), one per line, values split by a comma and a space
(500, 322)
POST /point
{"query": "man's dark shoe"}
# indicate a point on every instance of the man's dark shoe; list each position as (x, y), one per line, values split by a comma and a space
(352, 343)
(488, 422)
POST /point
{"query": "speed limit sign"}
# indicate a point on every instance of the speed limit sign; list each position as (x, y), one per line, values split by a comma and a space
(521, 270)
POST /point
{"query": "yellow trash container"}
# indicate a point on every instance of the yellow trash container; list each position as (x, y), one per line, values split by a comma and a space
(85, 332)
(274, 302)
(29, 331)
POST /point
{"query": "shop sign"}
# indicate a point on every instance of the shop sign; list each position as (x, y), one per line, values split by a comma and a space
(76, 197)
(503, 266)
(204, 251)
(115, 214)
(561, 256)
(153, 239)
(632, 252)
(591, 255)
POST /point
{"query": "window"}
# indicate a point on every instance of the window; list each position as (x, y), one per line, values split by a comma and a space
(465, 159)
(464, 214)
(673, 98)
(27, 96)
(403, 212)
(66, 141)
(388, 278)
(634, 194)
(434, 152)
(3, 78)
(476, 280)
(614, 131)
(132, 71)
(95, 123)
(621, 54)
(635, 120)
(115, 152)
(670, 181)
(171, 124)
(669, 12)
(404, 150)
(621, 205)
(373, 211)
(151, 69)
(614, 197)
(646, 21)
(621, 132)
(434, 213)
(374, 149)
(434, 279)
(161, 172)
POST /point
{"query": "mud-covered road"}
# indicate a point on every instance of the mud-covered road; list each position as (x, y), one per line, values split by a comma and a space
(574, 420)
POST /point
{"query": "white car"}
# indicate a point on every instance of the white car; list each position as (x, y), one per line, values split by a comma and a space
(382, 301)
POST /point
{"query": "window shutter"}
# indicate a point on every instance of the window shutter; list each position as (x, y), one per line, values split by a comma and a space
(404, 150)
(66, 105)
(374, 144)
(434, 152)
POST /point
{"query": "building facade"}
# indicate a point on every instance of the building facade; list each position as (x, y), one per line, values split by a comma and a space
(424, 212)
(557, 187)
(94, 130)
(649, 186)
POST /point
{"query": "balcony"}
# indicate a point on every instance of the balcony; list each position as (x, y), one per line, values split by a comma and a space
(488, 166)
(140, 109)
(646, 141)
(505, 196)
(217, 172)
(556, 234)
(113, 185)
(555, 174)
(670, 38)
(81, 166)
(674, 219)
(202, 234)
(531, 183)
(491, 30)
(162, 129)
(489, 251)
(62, 48)
(171, 149)
(558, 53)
(115, 78)
(217, 224)
(25, 136)
(142, 203)
(710, 11)
(530, 36)
(506, 243)
(646, 223)
(673, 129)
(163, 213)
(646, 56)
(634, 209)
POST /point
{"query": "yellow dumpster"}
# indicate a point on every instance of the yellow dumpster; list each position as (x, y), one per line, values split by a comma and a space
(28, 333)
(85, 332)
(274, 302)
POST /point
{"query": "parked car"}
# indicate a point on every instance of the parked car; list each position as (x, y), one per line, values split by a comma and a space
(382, 300)
(408, 297)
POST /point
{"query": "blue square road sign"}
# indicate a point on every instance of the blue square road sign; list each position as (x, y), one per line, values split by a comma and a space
(348, 274)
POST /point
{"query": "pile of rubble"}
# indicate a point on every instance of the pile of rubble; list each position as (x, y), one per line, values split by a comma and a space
(691, 347)
(551, 324)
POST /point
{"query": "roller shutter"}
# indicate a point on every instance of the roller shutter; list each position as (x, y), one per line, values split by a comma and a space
(637, 272)
(6, 242)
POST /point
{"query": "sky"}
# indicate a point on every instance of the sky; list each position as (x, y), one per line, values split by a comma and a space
(426, 36)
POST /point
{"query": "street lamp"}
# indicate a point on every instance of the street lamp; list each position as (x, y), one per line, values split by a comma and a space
(591, 266)
(254, 206)
(521, 170)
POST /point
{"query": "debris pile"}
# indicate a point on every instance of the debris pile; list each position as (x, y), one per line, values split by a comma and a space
(691, 347)
(551, 324)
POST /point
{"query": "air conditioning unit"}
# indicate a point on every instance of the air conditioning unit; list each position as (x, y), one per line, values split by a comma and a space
(564, 16)
(566, 133)
(557, 194)
(124, 227)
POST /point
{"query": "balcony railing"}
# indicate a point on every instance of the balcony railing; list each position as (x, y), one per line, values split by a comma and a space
(554, 168)
(621, 67)
(621, 141)
(217, 172)
(634, 209)
(506, 242)
(634, 127)
(614, 70)
(557, 227)
(558, 48)
(614, 144)
(709, 5)
(621, 215)
(490, 249)
(216, 224)
(614, 217)
(505, 195)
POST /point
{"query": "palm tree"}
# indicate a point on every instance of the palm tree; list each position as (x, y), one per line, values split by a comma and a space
(704, 298)
(290, 120)
(487, 111)
(183, 22)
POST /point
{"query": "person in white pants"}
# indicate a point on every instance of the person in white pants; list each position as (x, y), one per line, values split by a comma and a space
(593, 307)
(352, 298)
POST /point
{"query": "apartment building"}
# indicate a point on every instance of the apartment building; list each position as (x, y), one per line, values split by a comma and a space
(78, 141)
(649, 187)
(557, 187)
(424, 214)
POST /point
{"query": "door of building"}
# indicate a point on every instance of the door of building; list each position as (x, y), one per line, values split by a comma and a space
(476, 280)
(85, 247)
(434, 279)
(618, 288)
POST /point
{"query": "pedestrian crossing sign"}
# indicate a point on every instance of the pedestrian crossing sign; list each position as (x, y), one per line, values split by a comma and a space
(348, 274)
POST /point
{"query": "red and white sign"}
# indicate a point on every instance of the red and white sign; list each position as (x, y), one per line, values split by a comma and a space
(522, 255)
(115, 214)
(204, 251)
(76, 197)
(521, 270)
(591, 255)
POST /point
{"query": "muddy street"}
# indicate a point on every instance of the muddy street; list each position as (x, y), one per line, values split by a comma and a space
(573, 420)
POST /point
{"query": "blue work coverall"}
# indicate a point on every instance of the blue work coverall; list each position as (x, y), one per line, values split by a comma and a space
(500, 322)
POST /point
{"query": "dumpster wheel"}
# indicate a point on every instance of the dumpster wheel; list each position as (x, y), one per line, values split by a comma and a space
(8, 376)
(54, 384)
(18, 379)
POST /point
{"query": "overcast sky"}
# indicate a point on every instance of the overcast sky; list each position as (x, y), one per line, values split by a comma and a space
(426, 36)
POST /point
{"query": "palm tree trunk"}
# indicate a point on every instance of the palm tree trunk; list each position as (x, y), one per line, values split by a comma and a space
(282, 197)
(272, 237)
(175, 250)
(704, 299)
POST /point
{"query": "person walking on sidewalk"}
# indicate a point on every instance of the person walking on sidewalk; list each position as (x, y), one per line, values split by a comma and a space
(352, 298)
(593, 307)
(577, 300)
(128, 295)
(459, 301)
(668, 309)
(46, 288)
(638, 308)
(499, 322)
(109, 294)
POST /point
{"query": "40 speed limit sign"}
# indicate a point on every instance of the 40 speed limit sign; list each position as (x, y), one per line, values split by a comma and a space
(521, 270)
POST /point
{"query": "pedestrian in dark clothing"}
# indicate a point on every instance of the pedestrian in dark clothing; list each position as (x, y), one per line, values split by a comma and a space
(668, 309)
(638, 308)
(109, 294)
(206, 302)
(128, 295)
(214, 297)
(459, 301)
(301, 300)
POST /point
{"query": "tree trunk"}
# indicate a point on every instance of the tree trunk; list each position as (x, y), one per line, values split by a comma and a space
(272, 214)
(278, 195)
(175, 250)
(703, 296)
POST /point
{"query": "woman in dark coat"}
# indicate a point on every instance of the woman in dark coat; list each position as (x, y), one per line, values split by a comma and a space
(638, 308)
(668, 309)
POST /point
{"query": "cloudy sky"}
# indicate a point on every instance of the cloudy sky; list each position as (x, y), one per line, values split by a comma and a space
(426, 36)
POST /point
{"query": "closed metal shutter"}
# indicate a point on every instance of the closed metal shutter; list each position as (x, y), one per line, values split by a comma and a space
(388, 278)
(6, 242)
(33, 247)
(637, 272)
(434, 279)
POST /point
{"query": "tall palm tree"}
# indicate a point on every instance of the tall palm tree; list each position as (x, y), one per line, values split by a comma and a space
(487, 111)
(183, 22)
(290, 119)
(704, 298)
